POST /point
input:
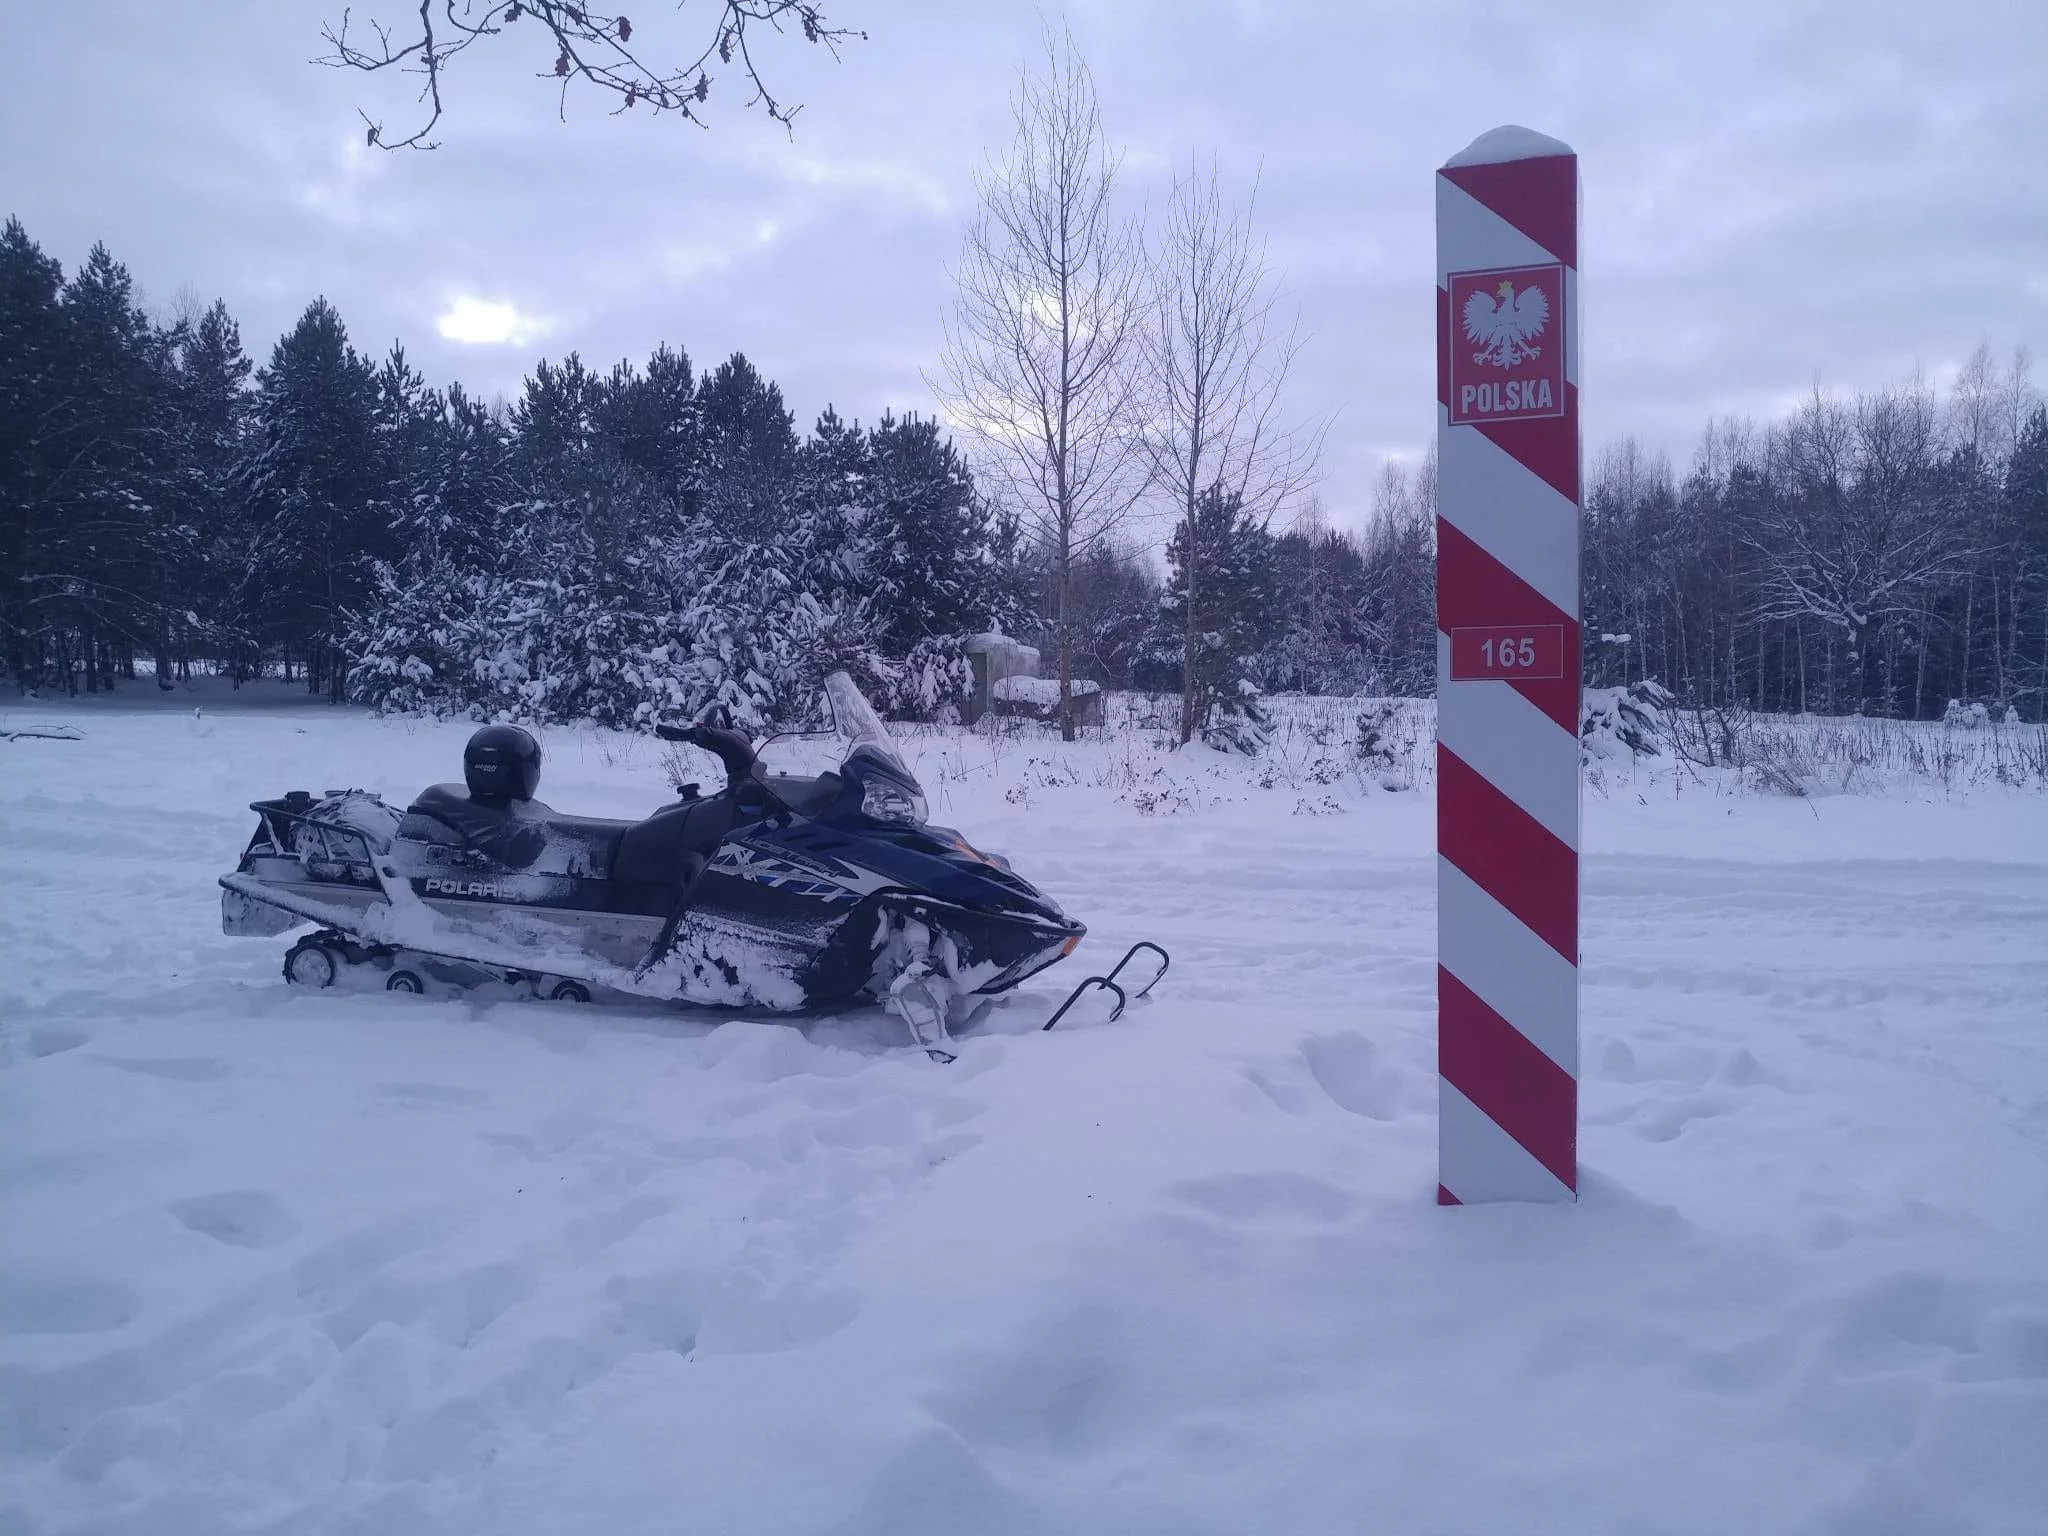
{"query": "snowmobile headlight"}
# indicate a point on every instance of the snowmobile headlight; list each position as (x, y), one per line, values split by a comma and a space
(887, 800)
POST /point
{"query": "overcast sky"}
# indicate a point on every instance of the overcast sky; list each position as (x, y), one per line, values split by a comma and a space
(1775, 193)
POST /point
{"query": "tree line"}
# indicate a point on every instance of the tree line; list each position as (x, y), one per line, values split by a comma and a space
(1885, 553)
(618, 545)
(609, 544)
(1882, 553)
(647, 540)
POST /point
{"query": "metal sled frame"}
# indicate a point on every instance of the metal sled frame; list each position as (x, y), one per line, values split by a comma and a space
(274, 817)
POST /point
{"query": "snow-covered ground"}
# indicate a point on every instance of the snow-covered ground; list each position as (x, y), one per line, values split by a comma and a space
(318, 1263)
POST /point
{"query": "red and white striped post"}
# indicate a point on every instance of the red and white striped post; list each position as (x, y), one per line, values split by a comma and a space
(1507, 602)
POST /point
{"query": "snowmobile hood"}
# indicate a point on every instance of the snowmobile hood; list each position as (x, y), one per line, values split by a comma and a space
(911, 856)
(941, 861)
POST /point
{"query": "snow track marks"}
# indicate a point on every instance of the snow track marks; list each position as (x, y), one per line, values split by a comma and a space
(356, 1264)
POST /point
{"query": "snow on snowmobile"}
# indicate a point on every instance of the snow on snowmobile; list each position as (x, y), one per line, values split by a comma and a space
(780, 892)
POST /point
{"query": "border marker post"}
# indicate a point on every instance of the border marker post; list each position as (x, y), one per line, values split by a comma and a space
(1508, 670)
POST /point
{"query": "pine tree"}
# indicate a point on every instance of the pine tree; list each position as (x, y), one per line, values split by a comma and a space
(931, 572)
(31, 356)
(1321, 645)
(893, 531)
(2026, 513)
(107, 541)
(1395, 610)
(648, 421)
(746, 451)
(213, 412)
(738, 631)
(1230, 620)
(426, 622)
(554, 419)
(833, 500)
(1115, 606)
(316, 486)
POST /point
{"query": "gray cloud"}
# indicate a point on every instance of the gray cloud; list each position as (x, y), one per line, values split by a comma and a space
(1776, 194)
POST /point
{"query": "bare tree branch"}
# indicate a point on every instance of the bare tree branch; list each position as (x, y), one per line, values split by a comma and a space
(582, 45)
(1047, 327)
(1858, 527)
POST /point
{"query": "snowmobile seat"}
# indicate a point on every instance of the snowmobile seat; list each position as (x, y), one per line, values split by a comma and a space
(518, 834)
(659, 850)
(581, 845)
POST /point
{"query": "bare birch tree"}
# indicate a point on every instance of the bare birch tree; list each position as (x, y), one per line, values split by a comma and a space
(1046, 327)
(1217, 356)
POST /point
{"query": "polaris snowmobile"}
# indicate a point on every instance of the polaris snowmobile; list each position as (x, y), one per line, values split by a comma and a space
(779, 892)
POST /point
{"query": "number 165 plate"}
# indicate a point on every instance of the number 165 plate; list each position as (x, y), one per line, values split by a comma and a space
(1513, 653)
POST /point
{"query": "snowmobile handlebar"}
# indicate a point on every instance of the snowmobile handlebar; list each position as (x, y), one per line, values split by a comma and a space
(732, 749)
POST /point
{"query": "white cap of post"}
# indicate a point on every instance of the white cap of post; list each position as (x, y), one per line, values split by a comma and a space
(1507, 640)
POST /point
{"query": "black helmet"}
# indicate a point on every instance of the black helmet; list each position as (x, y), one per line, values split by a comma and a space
(501, 762)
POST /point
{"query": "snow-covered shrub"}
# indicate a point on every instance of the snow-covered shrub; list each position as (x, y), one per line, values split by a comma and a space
(415, 642)
(666, 630)
(933, 680)
(2020, 754)
(1814, 759)
(1618, 720)
(1155, 714)
(1709, 736)
(1238, 723)
(620, 589)
(1160, 799)
(727, 627)
(1780, 764)
(1384, 745)
(1379, 742)
(1967, 717)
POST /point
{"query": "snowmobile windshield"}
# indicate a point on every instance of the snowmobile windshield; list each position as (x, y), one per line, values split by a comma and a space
(855, 719)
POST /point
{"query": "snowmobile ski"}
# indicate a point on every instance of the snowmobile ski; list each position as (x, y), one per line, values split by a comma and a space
(1110, 985)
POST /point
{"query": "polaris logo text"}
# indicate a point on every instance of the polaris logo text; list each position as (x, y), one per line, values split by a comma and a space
(468, 888)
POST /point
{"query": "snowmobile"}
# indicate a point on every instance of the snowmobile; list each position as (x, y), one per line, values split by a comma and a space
(779, 892)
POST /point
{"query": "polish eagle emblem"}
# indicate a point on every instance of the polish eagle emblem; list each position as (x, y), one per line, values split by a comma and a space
(1505, 325)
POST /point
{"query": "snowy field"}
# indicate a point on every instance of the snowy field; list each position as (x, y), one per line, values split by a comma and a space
(374, 1264)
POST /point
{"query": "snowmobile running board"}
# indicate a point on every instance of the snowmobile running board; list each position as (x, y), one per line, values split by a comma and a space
(1109, 984)
(440, 942)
